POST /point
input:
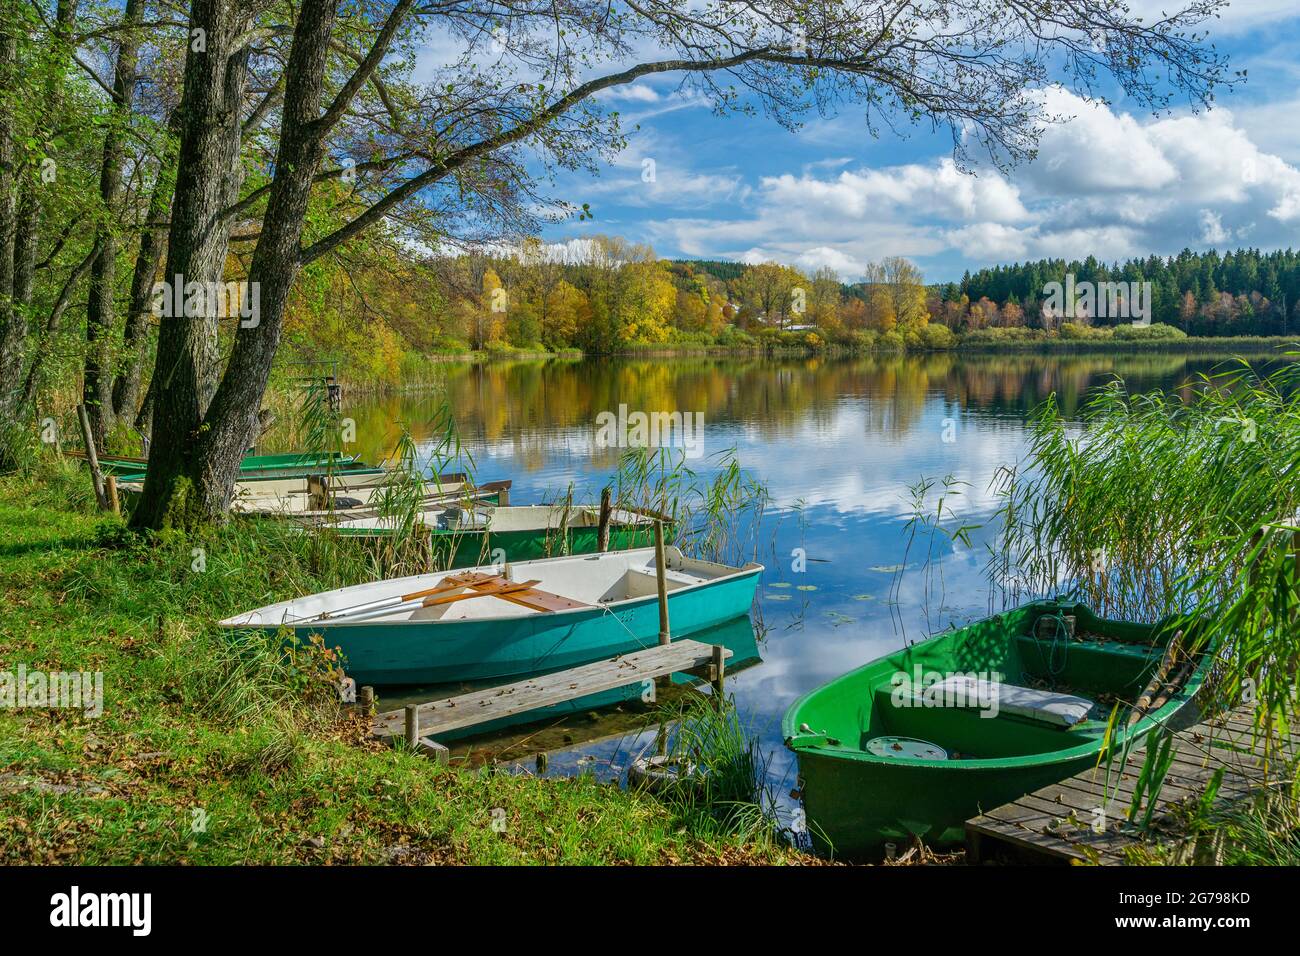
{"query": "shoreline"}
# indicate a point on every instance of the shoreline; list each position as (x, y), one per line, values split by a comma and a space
(1254, 344)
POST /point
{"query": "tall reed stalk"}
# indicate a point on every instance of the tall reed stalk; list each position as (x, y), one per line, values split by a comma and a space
(1172, 507)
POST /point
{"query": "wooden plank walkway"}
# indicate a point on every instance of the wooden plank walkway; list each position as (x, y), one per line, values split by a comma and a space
(478, 707)
(1084, 818)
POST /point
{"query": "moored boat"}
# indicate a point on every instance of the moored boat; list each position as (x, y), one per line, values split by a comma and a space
(285, 464)
(525, 618)
(463, 535)
(916, 742)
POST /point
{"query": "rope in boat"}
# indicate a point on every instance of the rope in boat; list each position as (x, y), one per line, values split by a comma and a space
(1061, 639)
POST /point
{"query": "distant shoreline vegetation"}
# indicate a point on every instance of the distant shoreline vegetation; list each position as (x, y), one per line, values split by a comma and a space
(808, 342)
(391, 324)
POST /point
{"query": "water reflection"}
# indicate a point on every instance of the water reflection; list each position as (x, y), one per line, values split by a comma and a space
(839, 443)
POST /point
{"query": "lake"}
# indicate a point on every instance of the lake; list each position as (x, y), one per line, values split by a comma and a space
(838, 443)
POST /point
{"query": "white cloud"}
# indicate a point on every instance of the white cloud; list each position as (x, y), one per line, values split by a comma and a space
(1212, 231)
(1105, 183)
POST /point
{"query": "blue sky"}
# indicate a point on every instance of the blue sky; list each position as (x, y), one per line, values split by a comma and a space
(1112, 182)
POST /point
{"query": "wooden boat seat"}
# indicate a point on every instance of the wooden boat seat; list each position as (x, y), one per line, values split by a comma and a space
(495, 585)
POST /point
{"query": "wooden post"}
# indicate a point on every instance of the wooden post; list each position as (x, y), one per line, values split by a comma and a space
(92, 459)
(719, 671)
(413, 725)
(503, 497)
(317, 493)
(602, 530)
(665, 635)
(110, 492)
(366, 700)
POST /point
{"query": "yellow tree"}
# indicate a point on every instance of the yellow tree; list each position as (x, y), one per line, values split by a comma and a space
(567, 310)
(646, 302)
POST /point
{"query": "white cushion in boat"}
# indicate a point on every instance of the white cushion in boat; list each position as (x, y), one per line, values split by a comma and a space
(1063, 710)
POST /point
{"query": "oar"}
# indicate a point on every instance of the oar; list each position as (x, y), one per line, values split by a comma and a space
(447, 584)
(504, 589)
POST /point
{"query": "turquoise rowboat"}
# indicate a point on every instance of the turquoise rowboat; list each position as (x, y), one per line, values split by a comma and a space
(530, 617)
(917, 742)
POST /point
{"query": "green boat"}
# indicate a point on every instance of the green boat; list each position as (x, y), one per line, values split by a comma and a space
(917, 742)
(462, 536)
(284, 465)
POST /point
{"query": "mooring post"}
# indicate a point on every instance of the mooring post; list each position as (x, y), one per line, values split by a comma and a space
(719, 671)
(318, 497)
(366, 700)
(665, 635)
(602, 530)
(92, 458)
(413, 725)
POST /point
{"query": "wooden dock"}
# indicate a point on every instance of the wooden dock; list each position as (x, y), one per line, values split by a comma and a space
(1084, 819)
(421, 724)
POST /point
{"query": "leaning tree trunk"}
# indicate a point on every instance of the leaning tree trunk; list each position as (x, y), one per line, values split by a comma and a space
(97, 377)
(232, 421)
(197, 241)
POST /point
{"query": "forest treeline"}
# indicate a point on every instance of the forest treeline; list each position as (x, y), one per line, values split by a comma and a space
(607, 295)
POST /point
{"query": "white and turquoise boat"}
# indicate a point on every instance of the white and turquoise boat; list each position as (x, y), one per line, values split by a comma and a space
(530, 617)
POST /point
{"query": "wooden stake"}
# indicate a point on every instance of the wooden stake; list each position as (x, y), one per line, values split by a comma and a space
(366, 700)
(602, 530)
(412, 725)
(317, 493)
(665, 634)
(92, 459)
(110, 490)
(719, 671)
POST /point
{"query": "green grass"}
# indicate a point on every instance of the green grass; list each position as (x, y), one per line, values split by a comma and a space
(197, 729)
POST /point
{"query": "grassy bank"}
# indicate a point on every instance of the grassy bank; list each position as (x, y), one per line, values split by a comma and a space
(214, 752)
(801, 344)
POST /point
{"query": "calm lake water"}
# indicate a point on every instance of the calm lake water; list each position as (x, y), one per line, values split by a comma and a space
(838, 445)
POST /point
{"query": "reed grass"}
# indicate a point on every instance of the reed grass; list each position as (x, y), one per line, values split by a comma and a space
(1172, 507)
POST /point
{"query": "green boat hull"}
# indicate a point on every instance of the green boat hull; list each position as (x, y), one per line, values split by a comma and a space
(467, 549)
(856, 801)
(253, 467)
(437, 652)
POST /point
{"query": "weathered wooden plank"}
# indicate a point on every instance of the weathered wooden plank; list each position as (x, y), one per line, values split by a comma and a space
(477, 707)
(1041, 821)
(991, 828)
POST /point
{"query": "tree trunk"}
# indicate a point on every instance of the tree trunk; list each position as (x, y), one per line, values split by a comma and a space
(20, 218)
(207, 182)
(13, 328)
(135, 337)
(97, 379)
